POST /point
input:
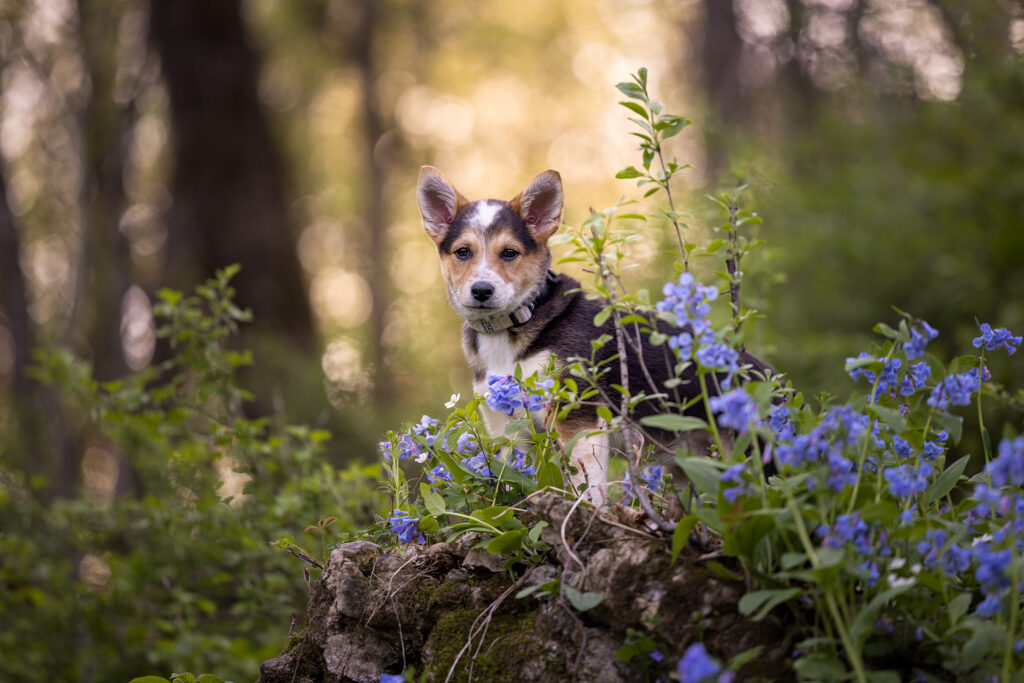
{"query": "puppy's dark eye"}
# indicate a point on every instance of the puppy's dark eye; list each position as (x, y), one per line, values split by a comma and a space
(509, 254)
(463, 253)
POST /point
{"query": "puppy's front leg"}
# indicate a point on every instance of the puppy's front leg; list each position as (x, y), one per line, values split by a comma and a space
(590, 458)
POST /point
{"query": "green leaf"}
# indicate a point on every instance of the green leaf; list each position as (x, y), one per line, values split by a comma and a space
(209, 678)
(702, 472)
(149, 679)
(958, 607)
(582, 602)
(766, 600)
(507, 543)
(674, 423)
(602, 317)
(986, 638)
(632, 91)
(629, 172)
(866, 618)
(634, 107)
(887, 331)
(945, 482)
(431, 500)
(891, 417)
(681, 534)
(819, 666)
(720, 570)
(549, 474)
(954, 424)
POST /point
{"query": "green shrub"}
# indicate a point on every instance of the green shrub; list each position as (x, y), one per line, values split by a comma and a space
(175, 573)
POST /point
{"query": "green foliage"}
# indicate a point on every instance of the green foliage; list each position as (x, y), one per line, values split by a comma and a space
(159, 563)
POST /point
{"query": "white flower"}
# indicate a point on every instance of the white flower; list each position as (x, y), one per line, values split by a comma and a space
(422, 456)
(453, 400)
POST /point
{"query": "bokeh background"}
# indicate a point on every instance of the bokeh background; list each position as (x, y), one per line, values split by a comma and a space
(146, 144)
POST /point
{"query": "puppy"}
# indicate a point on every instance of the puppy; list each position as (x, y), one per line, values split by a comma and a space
(496, 263)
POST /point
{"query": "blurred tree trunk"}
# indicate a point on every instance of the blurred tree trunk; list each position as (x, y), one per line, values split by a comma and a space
(106, 130)
(721, 52)
(375, 145)
(14, 300)
(228, 183)
(38, 422)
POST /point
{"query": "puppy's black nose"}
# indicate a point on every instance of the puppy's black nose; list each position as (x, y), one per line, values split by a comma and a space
(482, 291)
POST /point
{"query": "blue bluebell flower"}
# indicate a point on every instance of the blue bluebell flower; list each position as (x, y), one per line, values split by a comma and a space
(405, 527)
(955, 390)
(902, 447)
(735, 409)
(401, 445)
(857, 373)
(520, 465)
(905, 481)
(656, 655)
(918, 340)
(1007, 469)
(478, 466)
(779, 422)
(392, 678)
(505, 394)
(734, 475)
(993, 339)
(697, 666)
(650, 476)
(719, 357)
(932, 450)
(689, 302)
(847, 529)
(439, 473)
(427, 428)
(683, 344)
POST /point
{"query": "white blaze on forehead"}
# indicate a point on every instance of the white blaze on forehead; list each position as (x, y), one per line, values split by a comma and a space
(484, 214)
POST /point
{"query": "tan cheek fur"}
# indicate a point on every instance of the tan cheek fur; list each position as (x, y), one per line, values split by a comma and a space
(523, 272)
(456, 272)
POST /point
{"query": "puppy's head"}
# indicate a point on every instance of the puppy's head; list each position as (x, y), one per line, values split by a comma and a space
(494, 254)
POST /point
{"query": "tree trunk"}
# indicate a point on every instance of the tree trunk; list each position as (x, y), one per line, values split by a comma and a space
(720, 59)
(375, 219)
(228, 184)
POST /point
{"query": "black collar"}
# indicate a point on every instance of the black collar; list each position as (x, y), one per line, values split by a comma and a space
(519, 317)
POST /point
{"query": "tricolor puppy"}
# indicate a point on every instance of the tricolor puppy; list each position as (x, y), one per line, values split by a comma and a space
(495, 262)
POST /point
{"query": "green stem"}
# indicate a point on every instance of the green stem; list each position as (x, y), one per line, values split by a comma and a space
(711, 417)
(1011, 631)
(833, 607)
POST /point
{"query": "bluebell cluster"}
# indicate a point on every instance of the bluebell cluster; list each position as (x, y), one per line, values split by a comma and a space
(401, 446)
(950, 560)
(906, 481)
(958, 389)
(736, 410)
(690, 303)
(913, 379)
(697, 666)
(506, 394)
(993, 339)
(920, 335)
(847, 529)
(1007, 469)
(841, 427)
(405, 527)
(650, 477)
(719, 357)
(734, 476)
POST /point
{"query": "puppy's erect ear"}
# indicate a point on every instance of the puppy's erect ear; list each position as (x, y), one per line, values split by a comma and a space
(438, 200)
(540, 204)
